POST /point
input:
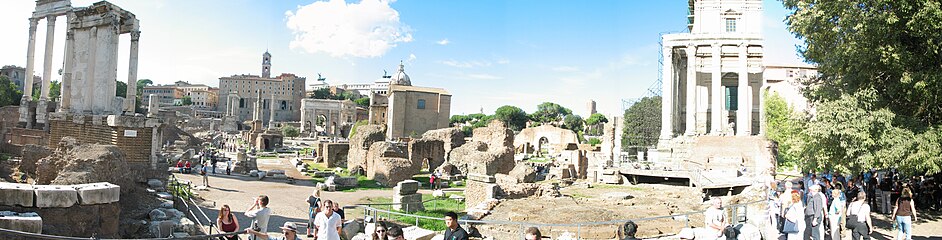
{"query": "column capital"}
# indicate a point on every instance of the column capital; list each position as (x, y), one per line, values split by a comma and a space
(51, 20)
(33, 22)
(135, 36)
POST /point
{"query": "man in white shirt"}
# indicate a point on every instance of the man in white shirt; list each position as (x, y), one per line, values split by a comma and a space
(327, 224)
(260, 213)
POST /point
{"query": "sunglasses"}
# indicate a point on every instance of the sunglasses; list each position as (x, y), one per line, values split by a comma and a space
(381, 230)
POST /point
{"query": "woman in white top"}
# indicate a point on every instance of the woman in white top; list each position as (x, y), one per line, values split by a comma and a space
(795, 212)
(861, 210)
(836, 213)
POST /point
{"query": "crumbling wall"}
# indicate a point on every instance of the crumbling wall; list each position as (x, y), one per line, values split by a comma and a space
(556, 138)
(31, 155)
(360, 144)
(335, 154)
(421, 150)
(388, 164)
(73, 163)
(489, 152)
(451, 137)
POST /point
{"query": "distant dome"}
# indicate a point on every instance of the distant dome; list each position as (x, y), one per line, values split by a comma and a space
(400, 77)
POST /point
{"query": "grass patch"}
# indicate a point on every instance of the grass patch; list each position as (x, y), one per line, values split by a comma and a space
(620, 187)
(266, 156)
(435, 208)
(538, 160)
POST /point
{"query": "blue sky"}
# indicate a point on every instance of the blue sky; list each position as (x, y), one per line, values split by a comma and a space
(487, 53)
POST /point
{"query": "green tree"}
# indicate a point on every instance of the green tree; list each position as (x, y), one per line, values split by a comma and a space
(186, 101)
(290, 131)
(784, 126)
(548, 112)
(574, 123)
(141, 83)
(54, 91)
(121, 89)
(459, 119)
(642, 124)
(594, 141)
(353, 130)
(362, 102)
(323, 93)
(9, 95)
(880, 59)
(514, 117)
(594, 124)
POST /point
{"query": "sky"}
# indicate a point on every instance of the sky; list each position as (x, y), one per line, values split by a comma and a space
(486, 53)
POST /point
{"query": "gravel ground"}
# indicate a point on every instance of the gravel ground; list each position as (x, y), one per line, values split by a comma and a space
(287, 201)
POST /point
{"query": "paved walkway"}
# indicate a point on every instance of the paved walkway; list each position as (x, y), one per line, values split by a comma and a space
(287, 201)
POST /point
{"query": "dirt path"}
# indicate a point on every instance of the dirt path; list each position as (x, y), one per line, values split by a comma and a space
(287, 201)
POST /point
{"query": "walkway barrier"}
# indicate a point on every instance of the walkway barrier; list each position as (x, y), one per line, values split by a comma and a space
(737, 213)
(5, 233)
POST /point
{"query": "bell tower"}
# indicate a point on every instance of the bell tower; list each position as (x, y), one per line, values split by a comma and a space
(266, 65)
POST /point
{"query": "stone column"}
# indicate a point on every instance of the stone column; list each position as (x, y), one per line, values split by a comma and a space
(90, 71)
(66, 94)
(47, 60)
(152, 106)
(257, 116)
(691, 90)
(130, 103)
(667, 95)
(744, 110)
(25, 118)
(30, 59)
(716, 122)
(271, 114)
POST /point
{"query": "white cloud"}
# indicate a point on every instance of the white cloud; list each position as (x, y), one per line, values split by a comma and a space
(411, 58)
(443, 42)
(466, 64)
(482, 76)
(503, 61)
(366, 29)
(566, 69)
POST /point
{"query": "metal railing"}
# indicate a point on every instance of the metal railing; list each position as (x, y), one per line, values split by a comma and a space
(737, 213)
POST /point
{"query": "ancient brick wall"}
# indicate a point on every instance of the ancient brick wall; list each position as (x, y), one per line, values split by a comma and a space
(134, 142)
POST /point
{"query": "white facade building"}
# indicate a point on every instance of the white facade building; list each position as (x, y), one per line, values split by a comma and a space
(786, 81)
(712, 75)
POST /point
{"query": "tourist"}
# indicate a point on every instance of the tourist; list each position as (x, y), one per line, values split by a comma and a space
(860, 211)
(187, 167)
(794, 216)
(227, 222)
(532, 233)
(180, 165)
(327, 225)
(814, 212)
(339, 211)
(774, 204)
(203, 171)
(629, 229)
(313, 202)
(380, 232)
(905, 214)
(836, 213)
(228, 166)
(454, 231)
(214, 161)
(260, 213)
(714, 220)
(395, 233)
(289, 230)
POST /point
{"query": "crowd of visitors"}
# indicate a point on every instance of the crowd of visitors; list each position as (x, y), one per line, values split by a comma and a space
(827, 206)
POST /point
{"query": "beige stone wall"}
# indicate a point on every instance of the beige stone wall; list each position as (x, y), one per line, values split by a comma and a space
(287, 87)
(406, 119)
(557, 138)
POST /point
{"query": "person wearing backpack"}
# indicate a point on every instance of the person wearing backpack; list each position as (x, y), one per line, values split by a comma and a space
(858, 218)
(203, 171)
(313, 202)
(904, 213)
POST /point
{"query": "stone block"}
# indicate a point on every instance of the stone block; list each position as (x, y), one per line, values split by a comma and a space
(273, 172)
(351, 228)
(279, 176)
(482, 178)
(55, 196)
(24, 222)
(98, 193)
(323, 174)
(407, 187)
(408, 203)
(416, 233)
(12, 194)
